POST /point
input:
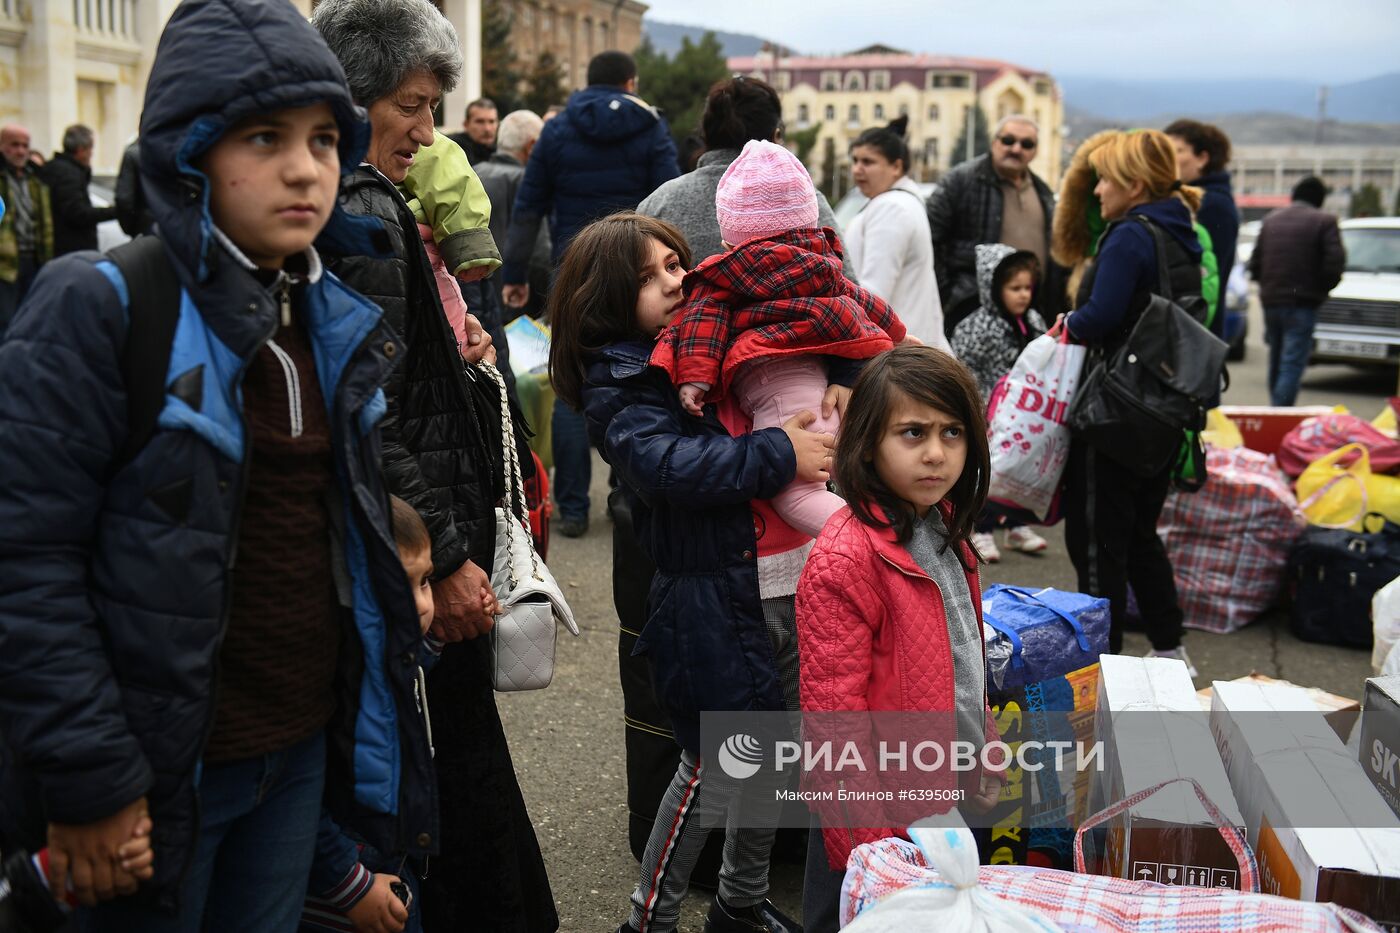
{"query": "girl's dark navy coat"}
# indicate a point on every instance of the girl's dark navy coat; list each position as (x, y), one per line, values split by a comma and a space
(690, 484)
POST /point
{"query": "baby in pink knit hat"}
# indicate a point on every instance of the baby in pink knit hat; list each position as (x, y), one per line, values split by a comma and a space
(765, 320)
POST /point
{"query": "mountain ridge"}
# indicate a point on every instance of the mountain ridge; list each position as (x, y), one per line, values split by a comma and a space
(1361, 112)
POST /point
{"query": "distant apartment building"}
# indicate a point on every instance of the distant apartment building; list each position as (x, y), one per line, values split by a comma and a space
(869, 87)
(1264, 175)
(574, 30)
(86, 61)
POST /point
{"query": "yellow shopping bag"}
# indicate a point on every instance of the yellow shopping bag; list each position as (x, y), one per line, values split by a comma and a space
(1340, 496)
(1221, 432)
(1385, 421)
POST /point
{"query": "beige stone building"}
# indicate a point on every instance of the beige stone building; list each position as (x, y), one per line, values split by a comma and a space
(1264, 175)
(86, 61)
(574, 30)
(850, 93)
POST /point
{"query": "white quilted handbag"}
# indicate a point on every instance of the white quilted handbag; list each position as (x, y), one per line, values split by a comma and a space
(523, 638)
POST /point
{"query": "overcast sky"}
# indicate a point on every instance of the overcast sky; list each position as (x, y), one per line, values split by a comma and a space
(1328, 41)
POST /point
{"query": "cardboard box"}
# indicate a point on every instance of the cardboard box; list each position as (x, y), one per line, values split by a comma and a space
(1263, 427)
(1169, 837)
(1380, 737)
(1340, 712)
(1319, 829)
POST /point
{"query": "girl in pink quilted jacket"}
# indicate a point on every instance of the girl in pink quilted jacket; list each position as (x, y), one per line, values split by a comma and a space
(889, 604)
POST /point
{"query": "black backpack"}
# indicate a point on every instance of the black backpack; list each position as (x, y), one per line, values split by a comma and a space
(1136, 405)
(153, 309)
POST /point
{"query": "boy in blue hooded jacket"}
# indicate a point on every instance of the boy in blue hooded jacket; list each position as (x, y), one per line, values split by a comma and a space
(215, 630)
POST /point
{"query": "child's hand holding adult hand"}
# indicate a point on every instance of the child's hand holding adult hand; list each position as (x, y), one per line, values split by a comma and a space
(136, 855)
(380, 910)
(88, 855)
(691, 394)
(813, 450)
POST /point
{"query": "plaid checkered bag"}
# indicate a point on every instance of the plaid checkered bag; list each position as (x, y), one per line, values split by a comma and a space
(880, 875)
(1229, 543)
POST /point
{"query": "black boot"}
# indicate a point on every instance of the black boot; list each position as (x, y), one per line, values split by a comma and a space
(762, 917)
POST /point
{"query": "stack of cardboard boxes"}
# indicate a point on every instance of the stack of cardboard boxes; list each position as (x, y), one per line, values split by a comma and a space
(1319, 829)
(1276, 769)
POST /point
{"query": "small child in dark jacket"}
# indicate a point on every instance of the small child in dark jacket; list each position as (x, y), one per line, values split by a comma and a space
(988, 341)
(355, 888)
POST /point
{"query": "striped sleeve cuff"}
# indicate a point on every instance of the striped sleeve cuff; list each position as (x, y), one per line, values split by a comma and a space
(317, 916)
(351, 888)
(433, 645)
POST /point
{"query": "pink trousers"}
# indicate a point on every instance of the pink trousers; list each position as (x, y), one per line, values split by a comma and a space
(771, 391)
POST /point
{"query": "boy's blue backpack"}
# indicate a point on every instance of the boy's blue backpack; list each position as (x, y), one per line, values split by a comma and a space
(153, 308)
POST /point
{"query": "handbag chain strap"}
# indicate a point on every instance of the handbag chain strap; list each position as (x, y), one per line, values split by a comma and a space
(515, 479)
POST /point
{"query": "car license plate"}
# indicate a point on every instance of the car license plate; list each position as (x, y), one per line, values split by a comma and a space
(1370, 351)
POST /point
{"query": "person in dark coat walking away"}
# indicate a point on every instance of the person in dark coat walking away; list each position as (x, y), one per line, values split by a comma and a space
(994, 198)
(140, 674)
(1110, 511)
(607, 151)
(442, 454)
(68, 175)
(132, 212)
(1297, 260)
(711, 639)
(1202, 154)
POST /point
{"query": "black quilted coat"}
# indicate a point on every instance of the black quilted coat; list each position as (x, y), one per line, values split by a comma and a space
(441, 436)
(442, 454)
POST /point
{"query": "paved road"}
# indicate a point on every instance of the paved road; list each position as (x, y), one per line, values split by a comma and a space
(568, 744)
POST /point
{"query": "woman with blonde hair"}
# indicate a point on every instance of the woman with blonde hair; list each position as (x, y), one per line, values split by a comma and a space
(1110, 511)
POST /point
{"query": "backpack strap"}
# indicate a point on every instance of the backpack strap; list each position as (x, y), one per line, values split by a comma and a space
(1164, 272)
(153, 309)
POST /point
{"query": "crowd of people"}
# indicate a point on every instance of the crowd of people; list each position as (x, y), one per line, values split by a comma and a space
(49, 210)
(249, 519)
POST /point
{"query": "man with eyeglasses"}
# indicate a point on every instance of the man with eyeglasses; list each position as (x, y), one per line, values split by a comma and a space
(994, 198)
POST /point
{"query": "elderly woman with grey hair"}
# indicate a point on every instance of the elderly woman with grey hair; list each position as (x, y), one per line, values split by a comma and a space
(442, 455)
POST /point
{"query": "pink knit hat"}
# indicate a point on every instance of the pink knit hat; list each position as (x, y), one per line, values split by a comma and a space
(764, 192)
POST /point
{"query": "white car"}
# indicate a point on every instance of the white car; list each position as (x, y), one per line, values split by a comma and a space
(1360, 320)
